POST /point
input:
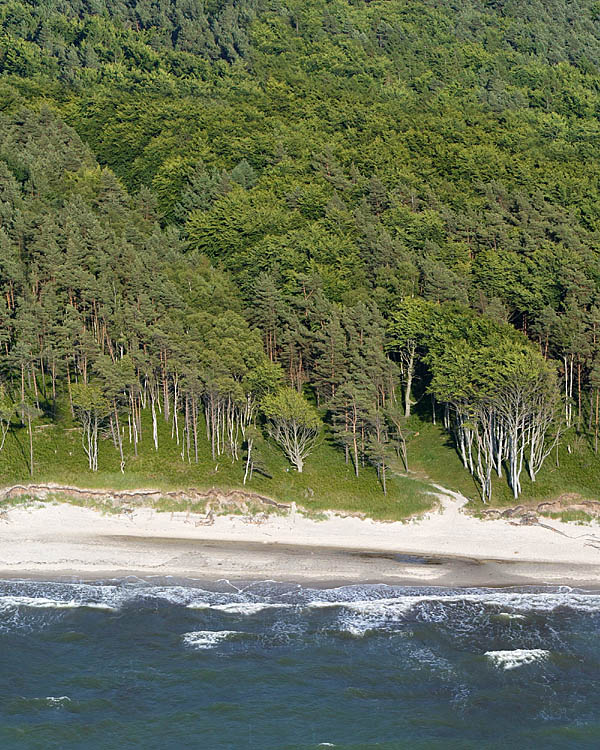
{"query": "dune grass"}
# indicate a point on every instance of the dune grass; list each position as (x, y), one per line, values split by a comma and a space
(571, 516)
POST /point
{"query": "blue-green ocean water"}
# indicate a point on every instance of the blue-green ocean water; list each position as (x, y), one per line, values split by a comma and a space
(130, 664)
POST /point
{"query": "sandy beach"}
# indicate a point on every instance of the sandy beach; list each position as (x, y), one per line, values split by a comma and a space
(446, 547)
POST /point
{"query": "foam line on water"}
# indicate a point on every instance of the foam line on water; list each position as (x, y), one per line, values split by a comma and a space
(519, 602)
(510, 616)
(373, 603)
(57, 700)
(39, 602)
(239, 608)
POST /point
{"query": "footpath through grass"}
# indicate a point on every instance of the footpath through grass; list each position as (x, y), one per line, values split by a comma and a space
(433, 457)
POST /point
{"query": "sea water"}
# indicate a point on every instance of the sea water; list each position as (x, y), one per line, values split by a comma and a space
(135, 664)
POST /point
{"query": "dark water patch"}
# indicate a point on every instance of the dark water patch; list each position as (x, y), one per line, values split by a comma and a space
(399, 557)
(416, 560)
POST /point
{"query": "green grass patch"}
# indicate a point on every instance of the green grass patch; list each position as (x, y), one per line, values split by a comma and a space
(432, 456)
(571, 516)
(327, 483)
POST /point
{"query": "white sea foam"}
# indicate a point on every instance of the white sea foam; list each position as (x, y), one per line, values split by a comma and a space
(360, 608)
(390, 608)
(360, 616)
(203, 639)
(238, 608)
(517, 657)
(355, 630)
(59, 700)
(39, 602)
(104, 596)
(511, 616)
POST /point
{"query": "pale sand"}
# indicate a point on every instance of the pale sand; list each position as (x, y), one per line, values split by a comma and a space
(56, 540)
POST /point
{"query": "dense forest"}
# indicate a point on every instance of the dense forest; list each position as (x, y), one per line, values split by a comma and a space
(232, 226)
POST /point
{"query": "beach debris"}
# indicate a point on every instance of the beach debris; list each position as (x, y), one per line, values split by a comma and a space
(208, 520)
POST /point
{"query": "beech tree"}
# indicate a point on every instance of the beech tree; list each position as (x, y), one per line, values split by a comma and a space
(7, 412)
(406, 332)
(253, 439)
(504, 400)
(293, 423)
(91, 408)
(527, 404)
(28, 412)
(400, 432)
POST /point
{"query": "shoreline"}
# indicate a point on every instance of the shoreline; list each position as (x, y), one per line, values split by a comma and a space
(467, 574)
(444, 548)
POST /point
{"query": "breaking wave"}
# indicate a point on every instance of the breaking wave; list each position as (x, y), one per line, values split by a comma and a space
(204, 639)
(291, 610)
(378, 602)
(519, 602)
(40, 602)
(239, 608)
(511, 659)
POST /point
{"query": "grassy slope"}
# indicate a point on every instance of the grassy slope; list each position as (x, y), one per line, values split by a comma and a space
(326, 483)
(432, 455)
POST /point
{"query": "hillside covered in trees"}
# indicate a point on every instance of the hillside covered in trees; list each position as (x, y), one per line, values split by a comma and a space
(247, 241)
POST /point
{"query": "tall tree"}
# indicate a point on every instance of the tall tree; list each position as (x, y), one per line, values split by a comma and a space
(293, 423)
